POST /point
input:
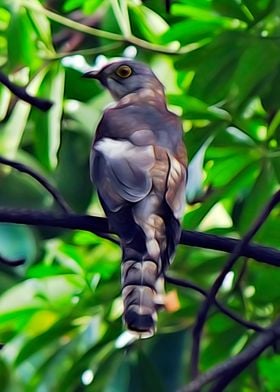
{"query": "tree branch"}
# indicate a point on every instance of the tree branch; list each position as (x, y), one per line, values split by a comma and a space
(192, 238)
(219, 305)
(260, 253)
(99, 226)
(210, 299)
(20, 92)
(42, 180)
(230, 369)
(168, 5)
(92, 224)
(11, 263)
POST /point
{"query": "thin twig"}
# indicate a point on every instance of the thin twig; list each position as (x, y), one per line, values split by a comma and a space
(86, 52)
(11, 263)
(112, 36)
(168, 5)
(231, 368)
(42, 180)
(20, 92)
(237, 252)
(220, 306)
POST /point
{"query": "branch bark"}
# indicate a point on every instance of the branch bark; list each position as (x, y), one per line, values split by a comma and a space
(187, 284)
(230, 369)
(20, 92)
(99, 226)
(237, 252)
(42, 180)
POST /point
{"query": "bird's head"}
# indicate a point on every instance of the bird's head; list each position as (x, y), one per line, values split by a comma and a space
(124, 77)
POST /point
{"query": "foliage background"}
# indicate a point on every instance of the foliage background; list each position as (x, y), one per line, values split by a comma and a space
(60, 313)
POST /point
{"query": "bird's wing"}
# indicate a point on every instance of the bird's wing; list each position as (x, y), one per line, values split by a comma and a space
(121, 171)
(176, 185)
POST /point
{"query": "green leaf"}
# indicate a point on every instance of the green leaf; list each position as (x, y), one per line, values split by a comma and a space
(17, 242)
(230, 337)
(12, 130)
(4, 375)
(253, 69)
(242, 181)
(276, 165)
(214, 66)
(271, 94)
(195, 173)
(175, 343)
(145, 376)
(259, 9)
(233, 9)
(48, 125)
(21, 42)
(72, 174)
(55, 332)
(225, 169)
(266, 289)
(200, 10)
(269, 371)
(257, 197)
(20, 191)
(192, 31)
(41, 26)
(90, 6)
(78, 88)
(70, 5)
(94, 355)
(268, 234)
(5, 98)
(148, 23)
(194, 108)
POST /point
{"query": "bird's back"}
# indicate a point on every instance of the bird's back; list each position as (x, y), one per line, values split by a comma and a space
(138, 166)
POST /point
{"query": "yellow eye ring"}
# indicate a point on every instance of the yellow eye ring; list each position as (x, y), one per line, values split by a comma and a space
(124, 71)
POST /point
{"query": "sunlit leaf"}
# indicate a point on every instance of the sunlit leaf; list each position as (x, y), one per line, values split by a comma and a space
(48, 125)
(12, 130)
(258, 197)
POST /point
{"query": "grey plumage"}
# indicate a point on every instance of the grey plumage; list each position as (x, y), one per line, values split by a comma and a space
(138, 166)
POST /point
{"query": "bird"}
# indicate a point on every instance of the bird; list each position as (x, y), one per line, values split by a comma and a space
(138, 166)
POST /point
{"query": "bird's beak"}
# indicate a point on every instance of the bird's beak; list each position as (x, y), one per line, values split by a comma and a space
(92, 75)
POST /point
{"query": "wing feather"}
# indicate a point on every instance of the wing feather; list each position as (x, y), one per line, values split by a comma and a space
(121, 171)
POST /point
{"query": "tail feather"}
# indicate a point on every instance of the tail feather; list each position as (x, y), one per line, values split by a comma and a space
(139, 295)
(142, 273)
(143, 267)
(140, 309)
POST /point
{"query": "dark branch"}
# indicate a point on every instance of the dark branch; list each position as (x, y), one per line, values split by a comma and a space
(210, 299)
(168, 5)
(93, 224)
(99, 226)
(20, 92)
(68, 39)
(230, 369)
(219, 305)
(260, 253)
(42, 180)
(11, 263)
(201, 240)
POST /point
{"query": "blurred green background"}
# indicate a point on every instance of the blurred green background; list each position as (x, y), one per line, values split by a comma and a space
(60, 313)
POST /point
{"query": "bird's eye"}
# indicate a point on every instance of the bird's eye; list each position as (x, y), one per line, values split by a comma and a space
(124, 71)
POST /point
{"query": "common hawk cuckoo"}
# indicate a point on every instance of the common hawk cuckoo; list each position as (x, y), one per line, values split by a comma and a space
(138, 165)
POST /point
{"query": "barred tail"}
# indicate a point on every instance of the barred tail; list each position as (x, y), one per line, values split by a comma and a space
(139, 279)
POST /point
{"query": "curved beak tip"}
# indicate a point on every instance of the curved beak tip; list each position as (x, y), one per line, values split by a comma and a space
(91, 75)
